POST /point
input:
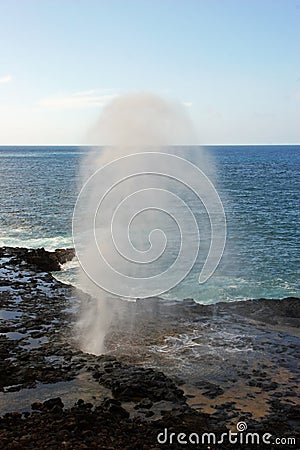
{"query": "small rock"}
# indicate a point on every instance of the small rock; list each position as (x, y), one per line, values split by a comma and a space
(116, 410)
(37, 406)
(144, 404)
(49, 404)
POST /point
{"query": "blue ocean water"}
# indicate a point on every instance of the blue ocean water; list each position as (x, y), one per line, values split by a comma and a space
(259, 187)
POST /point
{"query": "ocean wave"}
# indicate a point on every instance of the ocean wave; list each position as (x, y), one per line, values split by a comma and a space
(49, 243)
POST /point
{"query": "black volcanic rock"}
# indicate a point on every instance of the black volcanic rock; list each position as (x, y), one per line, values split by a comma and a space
(284, 311)
(42, 261)
(64, 255)
(49, 404)
(39, 260)
(131, 383)
(235, 367)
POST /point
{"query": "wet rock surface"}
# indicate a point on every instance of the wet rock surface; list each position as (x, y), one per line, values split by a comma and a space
(130, 383)
(180, 366)
(39, 260)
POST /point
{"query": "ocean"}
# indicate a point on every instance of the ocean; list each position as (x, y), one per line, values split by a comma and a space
(258, 185)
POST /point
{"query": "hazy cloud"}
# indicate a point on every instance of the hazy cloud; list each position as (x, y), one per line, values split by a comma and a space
(92, 98)
(6, 79)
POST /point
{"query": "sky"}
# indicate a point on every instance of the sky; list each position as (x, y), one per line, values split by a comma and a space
(234, 65)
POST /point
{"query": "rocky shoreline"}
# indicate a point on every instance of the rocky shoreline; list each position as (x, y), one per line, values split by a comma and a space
(180, 366)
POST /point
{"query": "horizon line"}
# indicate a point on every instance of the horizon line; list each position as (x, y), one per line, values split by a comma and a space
(171, 145)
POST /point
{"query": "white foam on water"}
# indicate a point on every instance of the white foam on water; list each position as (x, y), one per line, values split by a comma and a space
(49, 243)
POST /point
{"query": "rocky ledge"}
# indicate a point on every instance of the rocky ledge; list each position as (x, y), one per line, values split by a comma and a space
(169, 367)
(39, 260)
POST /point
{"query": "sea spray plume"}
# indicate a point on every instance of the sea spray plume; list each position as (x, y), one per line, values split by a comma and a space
(141, 121)
(131, 201)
